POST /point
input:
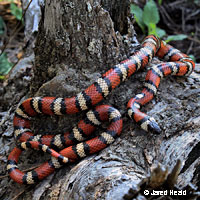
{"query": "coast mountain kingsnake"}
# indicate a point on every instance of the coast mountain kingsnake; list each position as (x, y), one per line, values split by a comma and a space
(73, 143)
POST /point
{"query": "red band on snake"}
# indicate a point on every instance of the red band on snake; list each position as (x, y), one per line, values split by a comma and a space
(180, 64)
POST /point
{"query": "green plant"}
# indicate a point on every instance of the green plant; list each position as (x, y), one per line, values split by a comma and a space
(1, 26)
(159, 2)
(197, 2)
(149, 18)
(138, 15)
(5, 65)
(175, 37)
(16, 11)
(192, 56)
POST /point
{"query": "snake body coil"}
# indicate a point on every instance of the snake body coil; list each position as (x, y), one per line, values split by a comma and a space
(178, 64)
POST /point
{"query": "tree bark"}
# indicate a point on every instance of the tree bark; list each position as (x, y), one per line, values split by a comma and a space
(76, 43)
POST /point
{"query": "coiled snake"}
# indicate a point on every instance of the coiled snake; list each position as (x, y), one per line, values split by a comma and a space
(73, 143)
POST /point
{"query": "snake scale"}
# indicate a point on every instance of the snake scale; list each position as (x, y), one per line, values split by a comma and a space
(73, 144)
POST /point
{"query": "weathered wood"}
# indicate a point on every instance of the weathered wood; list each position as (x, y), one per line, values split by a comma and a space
(76, 43)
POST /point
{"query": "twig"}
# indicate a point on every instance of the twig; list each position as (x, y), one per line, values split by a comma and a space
(168, 18)
(190, 38)
(190, 47)
(16, 30)
(176, 3)
(193, 39)
(192, 14)
(20, 193)
(183, 18)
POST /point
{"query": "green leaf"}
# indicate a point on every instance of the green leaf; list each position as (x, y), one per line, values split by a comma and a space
(150, 13)
(193, 58)
(160, 32)
(176, 37)
(152, 29)
(138, 13)
(2, 77)
(5, 65)
(197, 2)
(1, 26)
(159, 2)
(16, 11)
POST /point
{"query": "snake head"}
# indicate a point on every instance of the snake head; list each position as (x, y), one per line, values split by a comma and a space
(153, 127)
(150, 125)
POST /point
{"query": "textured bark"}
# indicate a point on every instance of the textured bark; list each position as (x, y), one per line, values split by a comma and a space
(76, 43)
(80, 35)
